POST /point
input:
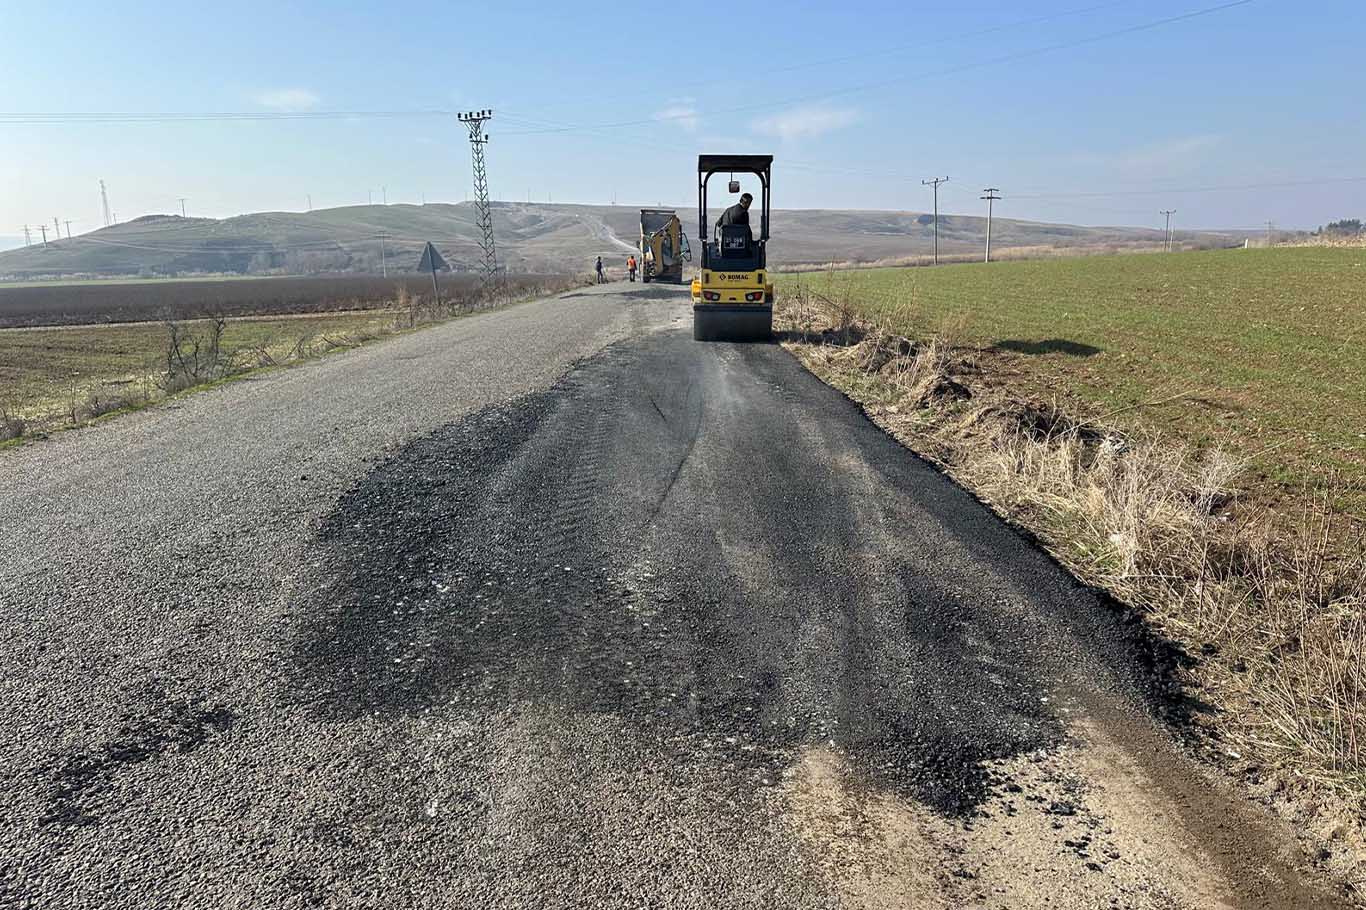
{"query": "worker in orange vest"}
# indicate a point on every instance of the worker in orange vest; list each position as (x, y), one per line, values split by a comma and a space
(631, 266)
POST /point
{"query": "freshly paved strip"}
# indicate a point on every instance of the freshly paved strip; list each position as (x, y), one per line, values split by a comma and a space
(556, 607)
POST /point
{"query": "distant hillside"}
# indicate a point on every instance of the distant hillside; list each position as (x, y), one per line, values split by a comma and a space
(530, 238)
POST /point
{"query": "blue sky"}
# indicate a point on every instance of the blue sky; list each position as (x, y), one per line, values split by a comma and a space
(858, 101)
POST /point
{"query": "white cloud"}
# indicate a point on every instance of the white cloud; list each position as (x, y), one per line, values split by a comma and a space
(1175, 155)
(1178, 152)
(288, 100)
(682, 111)
(805, 121)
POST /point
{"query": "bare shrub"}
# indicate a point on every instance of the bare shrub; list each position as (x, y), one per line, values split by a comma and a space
(194, 357)
(105, 400)
(12, 425)
(407, 304)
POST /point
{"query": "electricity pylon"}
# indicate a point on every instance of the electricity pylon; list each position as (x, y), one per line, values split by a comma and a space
(475, 121)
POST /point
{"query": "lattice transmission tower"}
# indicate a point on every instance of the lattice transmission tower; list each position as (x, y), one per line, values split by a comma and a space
(475, 121)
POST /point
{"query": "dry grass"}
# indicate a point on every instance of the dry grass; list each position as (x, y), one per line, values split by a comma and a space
(1257, 353)
(1003, 254)
(1276, 620)
(1341, 242)
(144, 364)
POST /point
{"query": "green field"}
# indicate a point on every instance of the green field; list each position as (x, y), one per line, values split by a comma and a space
(1265, 350)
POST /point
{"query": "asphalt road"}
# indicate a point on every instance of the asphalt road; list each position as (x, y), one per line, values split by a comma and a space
(555, 607)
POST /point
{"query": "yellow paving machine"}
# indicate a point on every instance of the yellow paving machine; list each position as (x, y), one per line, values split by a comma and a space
(732, 298)
(663, 246)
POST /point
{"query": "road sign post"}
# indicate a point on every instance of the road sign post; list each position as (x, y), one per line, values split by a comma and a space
(431, 261)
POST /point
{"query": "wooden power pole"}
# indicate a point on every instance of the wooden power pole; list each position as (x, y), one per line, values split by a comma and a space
(935, 183)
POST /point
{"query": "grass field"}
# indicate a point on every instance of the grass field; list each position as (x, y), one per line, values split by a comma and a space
(1014, 378)
(43, 371)
(1259, 352)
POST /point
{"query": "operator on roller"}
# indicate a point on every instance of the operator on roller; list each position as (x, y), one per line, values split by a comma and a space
(738, 214)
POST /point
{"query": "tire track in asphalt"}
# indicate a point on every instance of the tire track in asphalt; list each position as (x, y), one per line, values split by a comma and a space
(516, 540)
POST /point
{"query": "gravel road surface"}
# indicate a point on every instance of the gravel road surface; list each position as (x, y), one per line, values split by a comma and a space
(555, 607)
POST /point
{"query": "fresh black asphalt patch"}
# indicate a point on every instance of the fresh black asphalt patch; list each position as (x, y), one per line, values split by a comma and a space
(706, 541)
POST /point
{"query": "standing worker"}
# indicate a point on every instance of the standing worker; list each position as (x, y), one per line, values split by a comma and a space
(631, 266)
(601, 277)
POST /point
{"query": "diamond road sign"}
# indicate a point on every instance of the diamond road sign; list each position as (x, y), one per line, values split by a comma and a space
(431, 260)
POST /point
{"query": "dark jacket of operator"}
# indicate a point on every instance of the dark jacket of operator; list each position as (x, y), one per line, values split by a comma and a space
(736, 214)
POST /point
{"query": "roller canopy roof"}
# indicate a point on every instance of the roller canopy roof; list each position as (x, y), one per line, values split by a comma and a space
(753, 164)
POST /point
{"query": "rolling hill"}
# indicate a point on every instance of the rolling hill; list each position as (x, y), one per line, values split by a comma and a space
(530, 238)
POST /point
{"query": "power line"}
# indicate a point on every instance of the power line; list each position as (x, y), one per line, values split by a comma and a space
(58, 117)
(935, 183)
(896, 80)
(1318, 181)
(39, 118)
(893, 175)
(865, 55)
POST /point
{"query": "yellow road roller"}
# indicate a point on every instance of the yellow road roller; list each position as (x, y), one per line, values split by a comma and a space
(732, 298)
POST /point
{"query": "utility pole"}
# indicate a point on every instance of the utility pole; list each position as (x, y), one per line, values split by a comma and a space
(1169, 213)
(1270, 233)
(935, 183)
(56, 229)
(104, 197)
(475, 120)
(384, 194)
(383, 266)
(28, 237)
(369, 197)
(989, 194)
(43, 228)
(182, 207)
(310, 202)
(68, 230)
